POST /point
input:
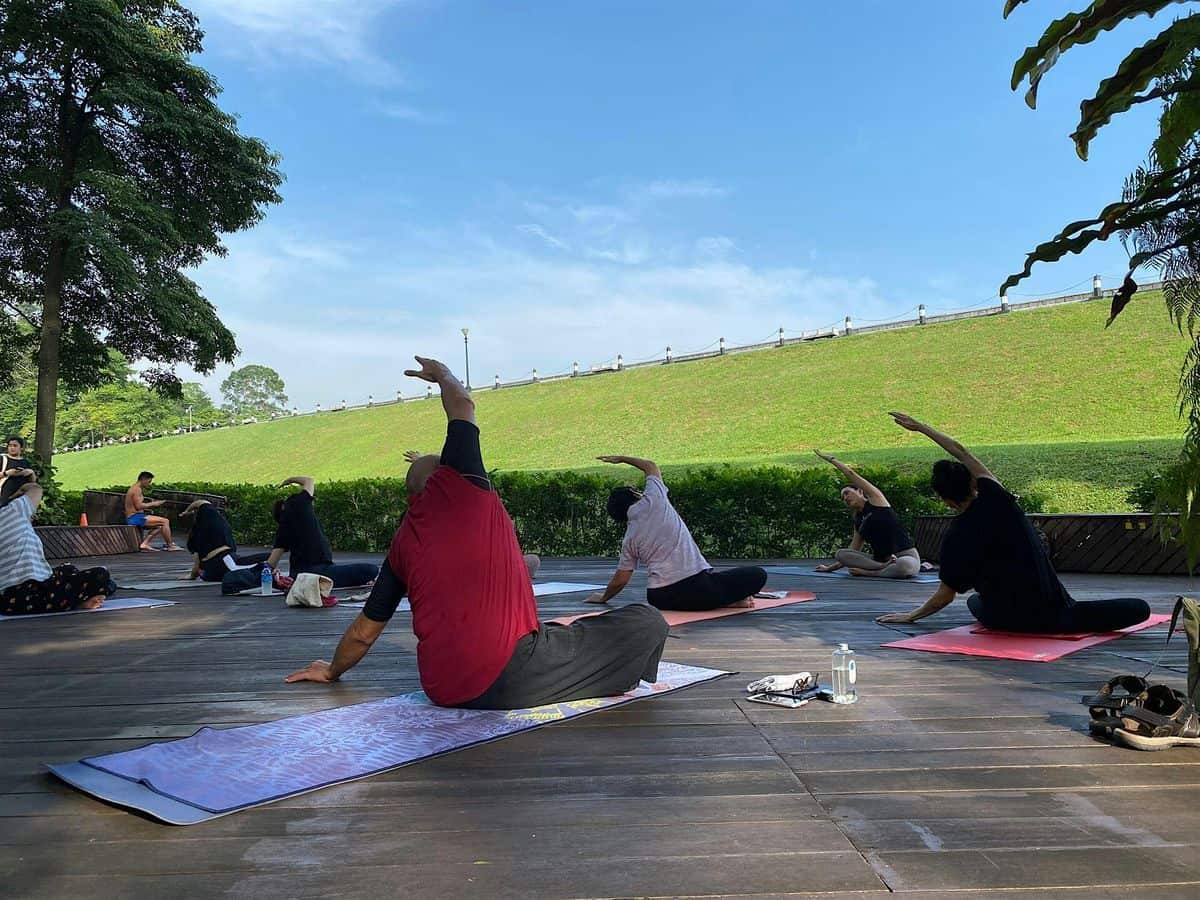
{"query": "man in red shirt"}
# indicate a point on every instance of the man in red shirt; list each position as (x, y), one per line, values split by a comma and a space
(456, 556)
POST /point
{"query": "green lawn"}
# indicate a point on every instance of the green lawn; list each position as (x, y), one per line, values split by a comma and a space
(1056, 402)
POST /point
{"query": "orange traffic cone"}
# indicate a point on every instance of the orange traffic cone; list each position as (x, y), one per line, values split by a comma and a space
(83, 520)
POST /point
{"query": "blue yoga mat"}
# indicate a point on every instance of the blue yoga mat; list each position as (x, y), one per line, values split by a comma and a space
(809, 571)
(216, 772)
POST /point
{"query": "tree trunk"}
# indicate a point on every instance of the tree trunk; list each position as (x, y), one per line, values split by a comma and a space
(48, 352)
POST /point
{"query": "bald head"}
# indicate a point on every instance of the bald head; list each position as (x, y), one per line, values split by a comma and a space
(419, 472)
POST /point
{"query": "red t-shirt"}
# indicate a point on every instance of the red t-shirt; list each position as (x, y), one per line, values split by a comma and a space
(468, 586)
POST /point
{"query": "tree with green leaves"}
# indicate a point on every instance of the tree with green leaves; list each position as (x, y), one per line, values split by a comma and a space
(118, 173)
(1158, 215)
(254, 391)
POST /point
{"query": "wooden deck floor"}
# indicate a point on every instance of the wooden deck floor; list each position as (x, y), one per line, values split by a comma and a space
(952, 776)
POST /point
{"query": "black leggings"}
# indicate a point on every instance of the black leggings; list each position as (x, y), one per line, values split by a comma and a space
(1076, 618)
(64, 590)
(709, 589)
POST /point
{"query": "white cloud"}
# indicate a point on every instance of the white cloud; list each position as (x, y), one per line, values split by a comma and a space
(715, 247)
(338, 32)
(685, 190)
(413, 114)
(548, 239)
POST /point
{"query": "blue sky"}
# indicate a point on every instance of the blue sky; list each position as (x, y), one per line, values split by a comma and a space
(574, 180)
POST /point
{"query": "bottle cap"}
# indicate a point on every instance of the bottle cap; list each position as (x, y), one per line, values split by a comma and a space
(844, 647)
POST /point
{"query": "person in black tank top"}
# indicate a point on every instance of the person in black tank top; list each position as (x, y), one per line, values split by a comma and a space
(893, 554)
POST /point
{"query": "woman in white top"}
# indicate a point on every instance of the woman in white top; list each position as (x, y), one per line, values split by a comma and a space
(28, 585)
(678, 575)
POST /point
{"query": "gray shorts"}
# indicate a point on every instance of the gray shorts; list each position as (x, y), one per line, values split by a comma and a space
(597, 656)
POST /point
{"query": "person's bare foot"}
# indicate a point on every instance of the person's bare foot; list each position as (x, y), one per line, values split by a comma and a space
(595, 598)
(92, 602)
(146, 548)
(863, 573)
(747, 603)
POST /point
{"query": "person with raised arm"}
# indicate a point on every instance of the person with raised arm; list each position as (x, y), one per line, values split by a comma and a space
(300, 535)
(893, 554)
(479, 642)
(136, 513)
(533, 562)
(679, 577)
(992, 549)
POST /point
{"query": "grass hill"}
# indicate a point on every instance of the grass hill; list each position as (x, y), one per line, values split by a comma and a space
(1054, 401)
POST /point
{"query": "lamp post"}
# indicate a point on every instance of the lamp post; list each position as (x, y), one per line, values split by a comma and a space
(467, 355)
(189, 420)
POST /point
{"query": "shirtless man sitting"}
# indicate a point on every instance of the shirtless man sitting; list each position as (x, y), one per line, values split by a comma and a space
(136, 505)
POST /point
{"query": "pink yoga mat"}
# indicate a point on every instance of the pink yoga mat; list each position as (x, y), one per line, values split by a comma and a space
(674, 617)
(974, 640)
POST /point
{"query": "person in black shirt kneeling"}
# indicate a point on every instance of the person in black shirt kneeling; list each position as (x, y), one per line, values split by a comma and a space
(991, 548)
(893, 554)
(301, 536)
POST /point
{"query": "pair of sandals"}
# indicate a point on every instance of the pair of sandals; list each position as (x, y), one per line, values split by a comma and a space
(1138, 714)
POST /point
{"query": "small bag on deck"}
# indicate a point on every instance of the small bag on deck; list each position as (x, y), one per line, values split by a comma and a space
(1188, 610)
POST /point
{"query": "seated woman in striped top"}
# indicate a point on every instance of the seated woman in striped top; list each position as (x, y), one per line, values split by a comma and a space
(893, 554)
(28, 585)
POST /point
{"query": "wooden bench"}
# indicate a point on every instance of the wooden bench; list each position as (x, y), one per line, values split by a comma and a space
(108, 508)
(72, 541)
(1113, 544)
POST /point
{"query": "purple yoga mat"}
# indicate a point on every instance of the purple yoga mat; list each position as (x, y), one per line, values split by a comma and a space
(218, 771)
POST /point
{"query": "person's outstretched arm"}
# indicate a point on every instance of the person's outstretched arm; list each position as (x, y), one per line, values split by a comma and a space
(305, 481)
(616, 584)
(873, 494)
(941, 598)
(456, 400)
(358, 639)
(647, 467)
(950, 445)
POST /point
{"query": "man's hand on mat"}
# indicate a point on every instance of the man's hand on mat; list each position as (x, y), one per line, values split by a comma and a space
(411, 456)
(597, 597)
(317, 670)
(895, 619)
(906, 421)
(826, 567)
(431, 370)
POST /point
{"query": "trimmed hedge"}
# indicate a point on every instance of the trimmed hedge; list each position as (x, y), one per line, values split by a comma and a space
(734, 513)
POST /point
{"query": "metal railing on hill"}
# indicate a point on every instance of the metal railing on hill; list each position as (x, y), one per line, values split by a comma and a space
(720, 347)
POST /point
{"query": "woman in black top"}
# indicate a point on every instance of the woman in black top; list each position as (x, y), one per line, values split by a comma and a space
(214, 551)
(893, 554)
(15, 470)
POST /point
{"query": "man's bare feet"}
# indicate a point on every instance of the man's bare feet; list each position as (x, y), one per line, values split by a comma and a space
(146, 548)
(747, 603)
(92, 602)
(597, 597)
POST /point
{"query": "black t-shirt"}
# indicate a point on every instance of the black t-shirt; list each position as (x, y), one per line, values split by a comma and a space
(210, 530)
(993, 549)
(10, 486)
(880, 527)
(302, 535)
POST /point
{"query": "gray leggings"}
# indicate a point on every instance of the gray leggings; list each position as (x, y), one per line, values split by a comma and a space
(907, 564)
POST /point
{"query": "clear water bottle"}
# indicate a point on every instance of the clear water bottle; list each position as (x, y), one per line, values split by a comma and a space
(267, 582)
(845, 674)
